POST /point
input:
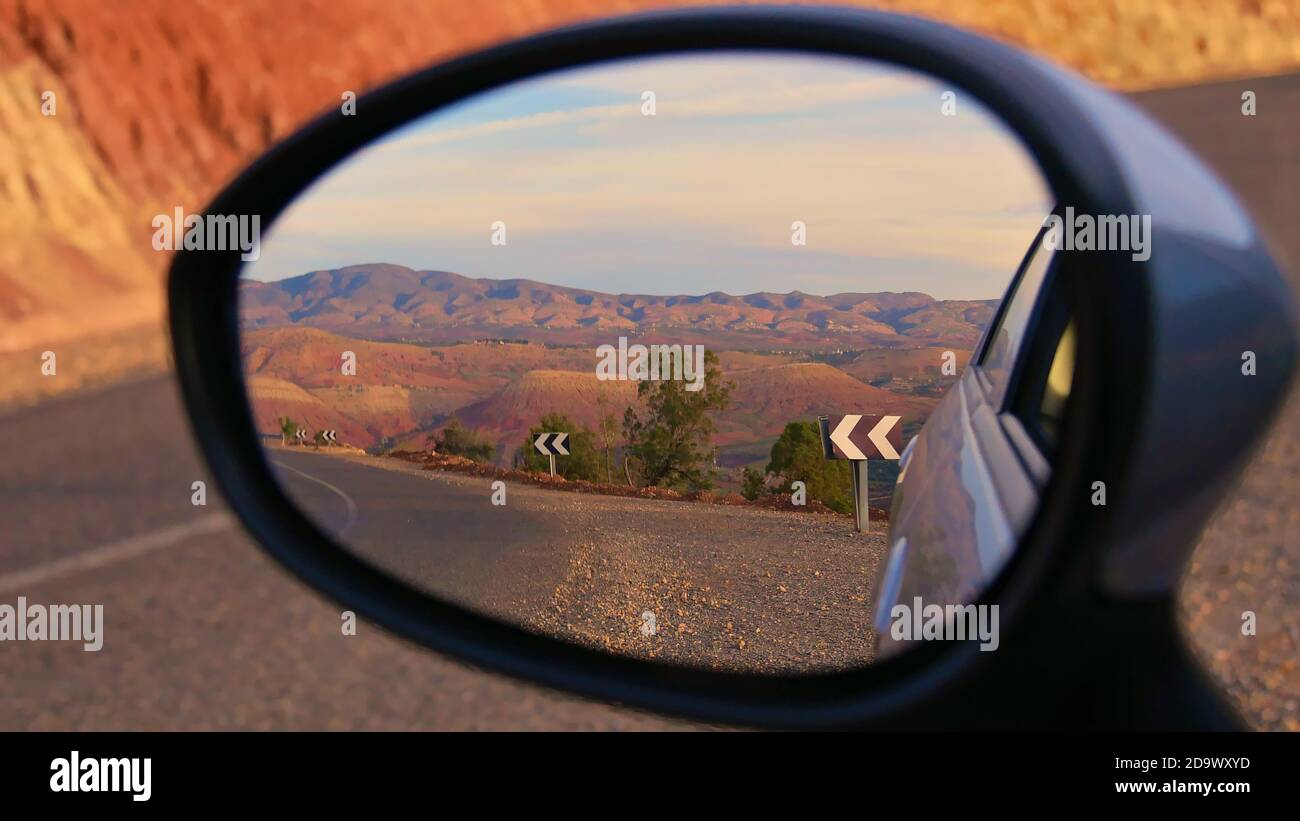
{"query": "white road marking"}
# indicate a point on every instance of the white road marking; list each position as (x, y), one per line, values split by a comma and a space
(114, 552)
(347, 500)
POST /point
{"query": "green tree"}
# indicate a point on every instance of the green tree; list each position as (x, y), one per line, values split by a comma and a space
(671, 445)
(288, 430)
(797, 456)
(455, 440)
(607, 432)
(583, 461)
(752, 485)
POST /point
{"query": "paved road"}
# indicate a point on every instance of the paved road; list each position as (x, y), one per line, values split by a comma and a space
(445, 536)
(203, 632)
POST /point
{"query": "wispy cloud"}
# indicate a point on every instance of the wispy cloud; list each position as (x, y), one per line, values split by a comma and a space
(864, 158)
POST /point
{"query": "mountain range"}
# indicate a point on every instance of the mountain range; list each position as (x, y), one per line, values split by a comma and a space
(392, 302)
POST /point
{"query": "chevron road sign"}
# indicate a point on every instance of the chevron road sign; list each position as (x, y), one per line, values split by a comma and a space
(301, 436)
(331, 436)
(859, 437)
(552, 445)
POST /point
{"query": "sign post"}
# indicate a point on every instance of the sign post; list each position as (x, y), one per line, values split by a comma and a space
(551, 445)
(861, 496)
(857, 437)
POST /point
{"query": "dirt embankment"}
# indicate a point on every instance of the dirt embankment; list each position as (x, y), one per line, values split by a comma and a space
(460, 464)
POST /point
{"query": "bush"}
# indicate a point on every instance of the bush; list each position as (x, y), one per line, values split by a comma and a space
(797, 456)
(455, 440)
(752, 484)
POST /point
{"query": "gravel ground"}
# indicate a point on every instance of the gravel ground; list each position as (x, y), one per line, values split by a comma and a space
(728, 588)
(1249, 560)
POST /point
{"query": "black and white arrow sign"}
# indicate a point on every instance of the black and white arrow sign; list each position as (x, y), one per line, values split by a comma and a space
(301, 435)
(551, 444)
(859, 436)
(331, 435)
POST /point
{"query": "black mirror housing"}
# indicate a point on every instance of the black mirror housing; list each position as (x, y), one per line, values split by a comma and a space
(1160, 342)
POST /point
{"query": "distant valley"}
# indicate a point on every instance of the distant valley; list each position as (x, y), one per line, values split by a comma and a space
(498, 354)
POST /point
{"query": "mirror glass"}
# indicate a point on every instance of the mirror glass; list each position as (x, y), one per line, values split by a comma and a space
(560, 353)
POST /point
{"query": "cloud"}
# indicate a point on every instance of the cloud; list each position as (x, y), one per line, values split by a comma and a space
(865, 159)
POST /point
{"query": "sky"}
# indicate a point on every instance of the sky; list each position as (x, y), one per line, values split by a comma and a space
(700, 197)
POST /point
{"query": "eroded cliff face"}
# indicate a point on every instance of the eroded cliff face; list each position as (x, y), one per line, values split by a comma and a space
(158, 103)
(155, 105)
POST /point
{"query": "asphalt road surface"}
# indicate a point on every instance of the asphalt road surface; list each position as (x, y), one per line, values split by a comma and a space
(446, 537)
(203, 632)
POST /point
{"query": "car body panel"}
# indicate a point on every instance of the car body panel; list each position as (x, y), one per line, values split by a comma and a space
(970, 481)
(962, 500)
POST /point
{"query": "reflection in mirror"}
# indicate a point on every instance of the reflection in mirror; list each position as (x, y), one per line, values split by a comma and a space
(558, 353)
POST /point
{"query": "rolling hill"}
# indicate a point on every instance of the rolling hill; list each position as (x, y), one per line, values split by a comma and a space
(402, 392)
(763, 400)
(401, 389)
(272, 398)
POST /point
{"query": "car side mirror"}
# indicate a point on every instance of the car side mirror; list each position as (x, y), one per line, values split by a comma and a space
(372, 414)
